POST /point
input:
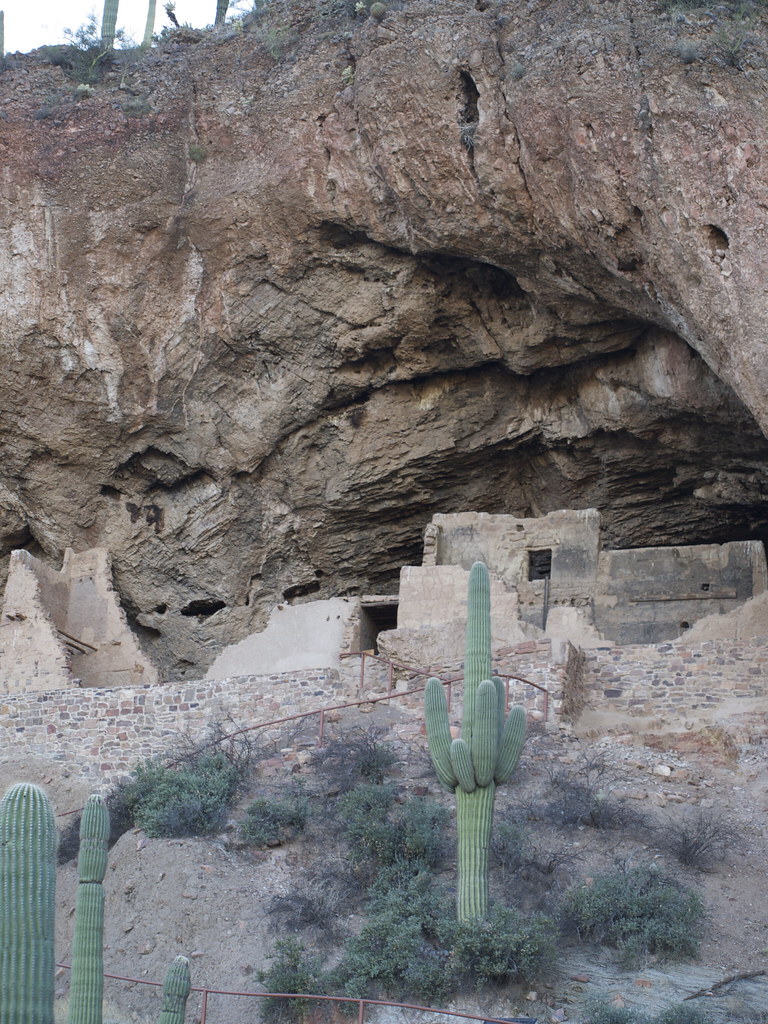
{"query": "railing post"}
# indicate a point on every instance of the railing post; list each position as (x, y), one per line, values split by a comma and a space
(204, 1008)
(322, 728)
(390, 676)
(362, 671)
(506, 694)
(450, 693)
(361, 1011)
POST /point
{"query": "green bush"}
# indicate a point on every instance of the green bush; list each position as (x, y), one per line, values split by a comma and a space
(189, 800)
(292, 970)
(379, 837)
(272, 822)
(397, 952)
(506, 947)
(682, 1014)
(600, 1011)
(640, 912)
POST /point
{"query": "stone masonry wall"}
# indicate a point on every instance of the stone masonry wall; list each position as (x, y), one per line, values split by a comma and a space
(669, 687)
(101, 734)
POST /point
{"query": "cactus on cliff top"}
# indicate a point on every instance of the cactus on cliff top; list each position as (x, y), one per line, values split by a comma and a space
(483, 757)
(109, 23)
(149, 28)
(176, 989)
(27, 904)
(87, 986)
(221, 11)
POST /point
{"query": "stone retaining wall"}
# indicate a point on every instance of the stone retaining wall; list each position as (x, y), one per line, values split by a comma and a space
(667, 686)
(101, 733)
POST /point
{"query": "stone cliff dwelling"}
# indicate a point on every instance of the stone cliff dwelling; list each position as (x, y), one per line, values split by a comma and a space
(551, 578)
(66, 628)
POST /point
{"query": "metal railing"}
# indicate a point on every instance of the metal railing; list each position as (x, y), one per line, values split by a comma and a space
(393, 666)
(307, 997)
(321, 713)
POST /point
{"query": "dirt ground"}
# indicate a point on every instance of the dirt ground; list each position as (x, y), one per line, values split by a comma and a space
(208, 898)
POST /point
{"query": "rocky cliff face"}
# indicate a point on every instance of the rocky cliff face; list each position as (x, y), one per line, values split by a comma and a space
(270, 301)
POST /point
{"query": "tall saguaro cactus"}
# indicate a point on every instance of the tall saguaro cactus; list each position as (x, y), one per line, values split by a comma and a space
(109, 23)
(485, 756)
(149, 28)
(222, 6)
(176, 990)
(86, 992)
(27, 905)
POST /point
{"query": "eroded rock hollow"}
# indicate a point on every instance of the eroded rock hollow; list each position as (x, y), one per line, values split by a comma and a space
(264, 313)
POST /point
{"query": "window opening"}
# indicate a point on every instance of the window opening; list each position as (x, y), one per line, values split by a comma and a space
(540, 564)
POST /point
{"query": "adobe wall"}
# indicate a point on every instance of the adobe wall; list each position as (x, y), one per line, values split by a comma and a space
(66, 628)
(643, 594)
(578, 591)
(32, 656)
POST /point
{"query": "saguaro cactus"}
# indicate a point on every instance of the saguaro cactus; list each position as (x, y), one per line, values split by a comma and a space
(222, 6)
(27, 905)
(149, 28)
(109, 23)
(485, 756)
(176, 989)
(87, 988)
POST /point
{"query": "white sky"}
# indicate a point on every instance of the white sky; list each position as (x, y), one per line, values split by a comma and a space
(32, 23)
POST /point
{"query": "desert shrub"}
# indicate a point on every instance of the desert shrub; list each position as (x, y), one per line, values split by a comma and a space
(82, 58)
(188, 800)
(272, 822)
(641, 911)
(357, 756)
(318, 903)
(504, 948)
(510, 845)
(397, 950)
(379, 836)
(699, 838)
(586, 794)
(69, 839)
(600, 1011)
(293, 969)
(681, 1013)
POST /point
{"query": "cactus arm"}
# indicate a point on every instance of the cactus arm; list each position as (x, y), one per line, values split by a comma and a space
(477, 659)
(461, 760)
(439, 733)
(109, 23)
(87, 987)
(511, 746)
(27, 905)
(485, 738)
(176, 989)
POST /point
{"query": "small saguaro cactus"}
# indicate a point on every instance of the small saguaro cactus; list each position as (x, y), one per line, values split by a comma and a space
(87, 987)
(27, 906)
(109, 23)
(176, 990)
(485, 756)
